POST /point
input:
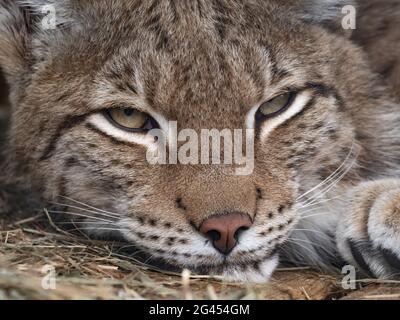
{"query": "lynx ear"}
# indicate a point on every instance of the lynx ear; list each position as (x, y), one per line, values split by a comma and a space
(329, 13)
(23, 29)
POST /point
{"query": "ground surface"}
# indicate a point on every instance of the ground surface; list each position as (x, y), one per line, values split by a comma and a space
(87, 269)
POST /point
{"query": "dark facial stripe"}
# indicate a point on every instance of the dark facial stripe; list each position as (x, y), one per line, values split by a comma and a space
(69, 123)
(200, 8)
(319, 90)
(278, 73)
(222, 23)
(172, 5)
(119, 82)
(71, 162)
(152, 7)
(326, 92)
(62, 189)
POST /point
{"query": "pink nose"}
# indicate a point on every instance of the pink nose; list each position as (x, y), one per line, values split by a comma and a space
(224, 230)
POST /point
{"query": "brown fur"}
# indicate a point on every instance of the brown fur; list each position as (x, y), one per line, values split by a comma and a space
(378, 34)
(203, 63)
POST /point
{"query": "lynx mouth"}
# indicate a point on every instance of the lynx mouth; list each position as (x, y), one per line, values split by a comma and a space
(257, 270)
(253, 259)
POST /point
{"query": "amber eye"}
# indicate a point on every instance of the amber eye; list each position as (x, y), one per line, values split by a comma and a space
(130, 119)
(274, 106)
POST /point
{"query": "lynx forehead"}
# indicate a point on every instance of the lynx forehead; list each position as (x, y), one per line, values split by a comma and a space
(87, 94)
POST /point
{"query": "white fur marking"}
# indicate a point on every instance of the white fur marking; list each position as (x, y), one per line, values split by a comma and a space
(271, 124)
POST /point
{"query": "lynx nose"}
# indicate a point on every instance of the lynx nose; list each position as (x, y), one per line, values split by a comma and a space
(224, 230)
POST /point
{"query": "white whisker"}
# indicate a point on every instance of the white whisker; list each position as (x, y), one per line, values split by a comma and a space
(313, 244)
(79, 215)
(330, 177)
(331, 185)
(97, 228)
(302, 246)
(320, 233)
(91, 207)
(81, 222)
(315, 215)
(320, 202)
(310, 211)
(86, 210)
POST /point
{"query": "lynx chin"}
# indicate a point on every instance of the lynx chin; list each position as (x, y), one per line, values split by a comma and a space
(324, 184)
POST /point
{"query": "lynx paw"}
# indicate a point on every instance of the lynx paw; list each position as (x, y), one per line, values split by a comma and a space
(368, 233)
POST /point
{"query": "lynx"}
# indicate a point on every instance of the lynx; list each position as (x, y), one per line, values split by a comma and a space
(89, 85)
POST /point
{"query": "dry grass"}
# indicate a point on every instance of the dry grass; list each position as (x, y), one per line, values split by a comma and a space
(88, 269)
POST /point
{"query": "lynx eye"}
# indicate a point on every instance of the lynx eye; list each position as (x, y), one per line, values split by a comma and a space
(274, 106)
(130, 119)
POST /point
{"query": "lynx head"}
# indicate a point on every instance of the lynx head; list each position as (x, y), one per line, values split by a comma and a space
(90, 80)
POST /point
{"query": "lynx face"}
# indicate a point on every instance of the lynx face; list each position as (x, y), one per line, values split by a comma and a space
(85, 94)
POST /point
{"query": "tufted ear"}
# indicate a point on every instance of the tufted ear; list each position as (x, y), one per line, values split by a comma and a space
(332, 14)
(25, 26)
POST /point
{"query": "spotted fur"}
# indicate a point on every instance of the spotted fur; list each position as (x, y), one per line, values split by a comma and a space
(319, 192)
